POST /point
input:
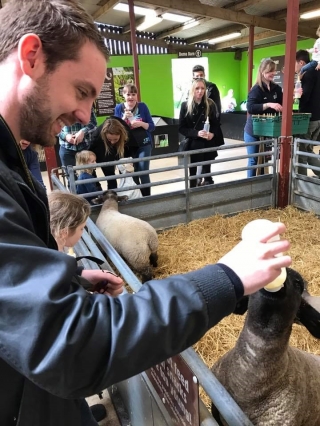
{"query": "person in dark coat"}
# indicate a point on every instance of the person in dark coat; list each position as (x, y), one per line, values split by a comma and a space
(265, 97)
(212, 89)
(110, 142)
(309, 103)
(60, 344)
(193, 115)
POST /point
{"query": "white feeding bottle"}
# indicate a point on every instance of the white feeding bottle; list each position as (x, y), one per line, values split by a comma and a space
(206, 126)
(252, 232)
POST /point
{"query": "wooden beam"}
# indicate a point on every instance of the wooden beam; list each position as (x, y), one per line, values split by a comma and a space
(243, 40)
(214, 33)
(178, 28)
(159, 11)
(194, 8)
(243, 4)
(307, 7)
(172, 47)
(127, 28)
(104, 9)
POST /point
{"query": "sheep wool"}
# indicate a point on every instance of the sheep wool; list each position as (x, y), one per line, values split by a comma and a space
(134, 239)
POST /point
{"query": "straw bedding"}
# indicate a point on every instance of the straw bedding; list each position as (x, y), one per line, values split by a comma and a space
(205, 241)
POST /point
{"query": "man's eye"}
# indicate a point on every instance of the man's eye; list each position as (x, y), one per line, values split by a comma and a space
(82, 93)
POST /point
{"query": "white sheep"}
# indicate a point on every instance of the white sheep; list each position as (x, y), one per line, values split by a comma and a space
(134, 239)
(273, 383)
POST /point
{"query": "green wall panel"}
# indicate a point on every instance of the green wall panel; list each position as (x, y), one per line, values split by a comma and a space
(225, 71)
(258, 55)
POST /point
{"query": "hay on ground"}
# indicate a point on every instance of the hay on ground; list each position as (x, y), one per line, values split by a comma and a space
(202, 242)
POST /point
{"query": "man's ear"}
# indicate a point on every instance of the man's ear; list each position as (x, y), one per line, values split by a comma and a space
(31, 56)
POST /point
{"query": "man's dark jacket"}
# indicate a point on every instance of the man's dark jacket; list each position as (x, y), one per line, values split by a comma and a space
(310, 99)
(59, 343)
(214, 94)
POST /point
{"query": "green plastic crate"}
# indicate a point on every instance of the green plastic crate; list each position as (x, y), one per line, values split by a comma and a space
(271, 125)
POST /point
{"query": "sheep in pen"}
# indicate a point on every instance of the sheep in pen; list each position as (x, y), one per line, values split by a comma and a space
(188, 247)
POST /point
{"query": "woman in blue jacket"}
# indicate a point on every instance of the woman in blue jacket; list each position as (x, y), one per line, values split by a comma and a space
(265, 97)
(137, 116)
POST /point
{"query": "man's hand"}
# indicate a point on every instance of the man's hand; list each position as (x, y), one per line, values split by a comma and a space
(255, 262)
(79, 137)
(103, 282)
(70, 138)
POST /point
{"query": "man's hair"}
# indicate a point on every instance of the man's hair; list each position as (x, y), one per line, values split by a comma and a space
(198, 68)
(63, 27)
(303, 55)
(67, 212)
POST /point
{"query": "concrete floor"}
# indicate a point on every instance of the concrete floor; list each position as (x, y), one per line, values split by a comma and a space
(112, 418)
(172, 174)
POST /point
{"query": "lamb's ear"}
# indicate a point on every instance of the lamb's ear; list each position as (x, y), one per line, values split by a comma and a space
(97, 200)
(241, 306)
(123, 198)
(309, 313)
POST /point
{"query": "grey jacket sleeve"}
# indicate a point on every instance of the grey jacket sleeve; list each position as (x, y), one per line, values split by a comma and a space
(72, 343)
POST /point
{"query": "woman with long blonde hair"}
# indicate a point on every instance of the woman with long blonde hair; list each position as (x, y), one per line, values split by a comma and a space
(265, 97)
(193, 115)
(109, 143)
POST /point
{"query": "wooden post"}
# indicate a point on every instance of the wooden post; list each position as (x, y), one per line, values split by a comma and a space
(134, 47)
(51, 162)
(250, 56)
(286, 128)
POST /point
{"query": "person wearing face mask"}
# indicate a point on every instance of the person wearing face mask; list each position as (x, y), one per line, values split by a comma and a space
(137, 116)
(111, 142)
(193, 114)
(265, 97)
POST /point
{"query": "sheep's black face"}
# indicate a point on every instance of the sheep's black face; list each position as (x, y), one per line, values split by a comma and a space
(110, 195)
(275, 312)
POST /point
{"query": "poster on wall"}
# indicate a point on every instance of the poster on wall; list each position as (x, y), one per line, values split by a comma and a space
(111, 93)
(182, 79)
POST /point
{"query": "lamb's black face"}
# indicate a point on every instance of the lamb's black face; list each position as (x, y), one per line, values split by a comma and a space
(110, 195)
(275, 312)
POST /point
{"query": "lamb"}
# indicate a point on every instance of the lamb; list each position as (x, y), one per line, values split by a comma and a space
(273, 383)
(134, 239)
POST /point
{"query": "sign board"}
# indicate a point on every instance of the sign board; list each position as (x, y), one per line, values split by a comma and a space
(111, 92)
(178, 389)
(105, 103)
(190, 54)
(279, 77)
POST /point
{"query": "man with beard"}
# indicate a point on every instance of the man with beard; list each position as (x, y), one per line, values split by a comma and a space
(59, 343)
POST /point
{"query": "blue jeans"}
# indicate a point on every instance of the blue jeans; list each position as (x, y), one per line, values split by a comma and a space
(67, 156)
(252, 149)
(141, 152)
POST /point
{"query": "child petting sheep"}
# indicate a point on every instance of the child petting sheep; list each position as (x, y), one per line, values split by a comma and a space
(134, 239)
(273, 383)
